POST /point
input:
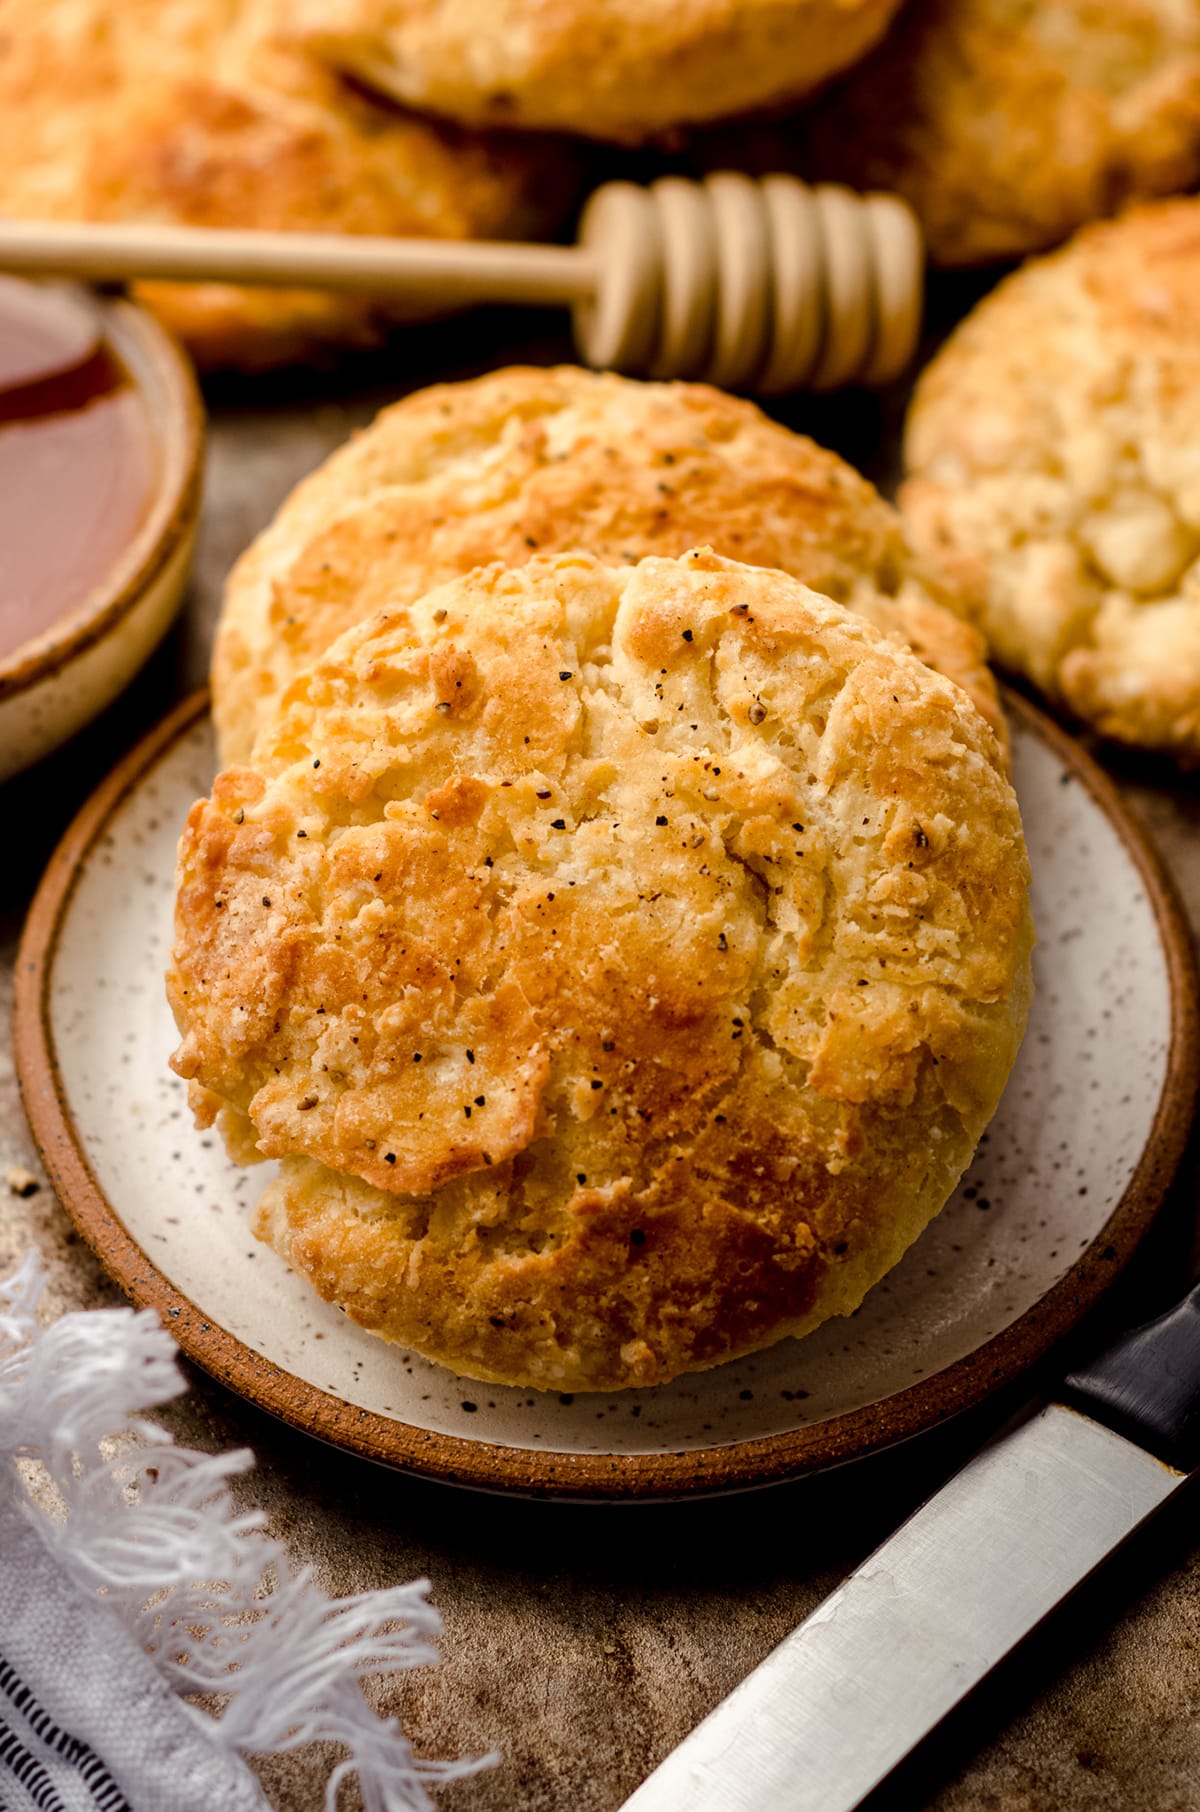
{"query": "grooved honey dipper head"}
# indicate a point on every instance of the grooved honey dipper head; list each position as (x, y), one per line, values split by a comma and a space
(762, 285)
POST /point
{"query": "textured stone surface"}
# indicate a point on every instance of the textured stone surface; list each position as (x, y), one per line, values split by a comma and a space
(583, 1642)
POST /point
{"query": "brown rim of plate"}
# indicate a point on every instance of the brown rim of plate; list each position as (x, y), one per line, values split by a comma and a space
(163, 374)
(486, 1466)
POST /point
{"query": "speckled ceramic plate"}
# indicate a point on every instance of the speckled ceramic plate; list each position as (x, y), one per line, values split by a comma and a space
(1067, 1179)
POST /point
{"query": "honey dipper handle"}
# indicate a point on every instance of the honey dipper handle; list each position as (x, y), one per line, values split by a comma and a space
(437, 270)
(765, 285)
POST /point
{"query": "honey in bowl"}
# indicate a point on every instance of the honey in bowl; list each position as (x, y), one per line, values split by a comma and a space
(77, 459)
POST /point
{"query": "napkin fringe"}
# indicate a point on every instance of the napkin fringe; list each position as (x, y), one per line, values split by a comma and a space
(152, 1529)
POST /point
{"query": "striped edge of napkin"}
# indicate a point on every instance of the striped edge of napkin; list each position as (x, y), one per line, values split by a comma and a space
(130, 1584)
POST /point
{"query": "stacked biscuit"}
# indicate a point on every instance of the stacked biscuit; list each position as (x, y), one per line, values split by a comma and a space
(613, 915)
(620, 944)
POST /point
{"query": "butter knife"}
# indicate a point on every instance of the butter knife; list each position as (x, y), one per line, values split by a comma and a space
(851, 1692)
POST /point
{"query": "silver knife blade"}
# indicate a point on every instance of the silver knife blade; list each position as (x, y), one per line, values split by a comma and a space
(843, 1699)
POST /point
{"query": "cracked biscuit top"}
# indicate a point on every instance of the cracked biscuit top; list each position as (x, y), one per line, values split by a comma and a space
(623, 961)
(525, 461)
(1054, 457)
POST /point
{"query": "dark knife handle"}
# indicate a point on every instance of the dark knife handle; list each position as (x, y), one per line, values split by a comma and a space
(1147, 1385)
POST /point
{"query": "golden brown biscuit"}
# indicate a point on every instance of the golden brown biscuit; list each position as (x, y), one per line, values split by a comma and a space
(1054, 447)
(624, 961)
(611, 69)
(525, 460)
(1007, 124)
(195, 112)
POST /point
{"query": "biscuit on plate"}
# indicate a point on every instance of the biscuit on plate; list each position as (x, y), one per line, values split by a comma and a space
(1006, 125)
(623, 961)
(1054, 453)
(196, 112)
(524, 461)
(610, 69)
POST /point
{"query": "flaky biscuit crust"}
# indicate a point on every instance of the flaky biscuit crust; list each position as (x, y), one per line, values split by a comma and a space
(1054, 452)
(198, 112)
(624, 962)
(623, 69)
(527, 461)
(1008, 124)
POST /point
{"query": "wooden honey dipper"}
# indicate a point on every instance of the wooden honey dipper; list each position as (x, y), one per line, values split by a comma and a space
(765, 284)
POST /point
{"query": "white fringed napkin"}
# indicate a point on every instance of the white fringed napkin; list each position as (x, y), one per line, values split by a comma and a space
(133, 1583)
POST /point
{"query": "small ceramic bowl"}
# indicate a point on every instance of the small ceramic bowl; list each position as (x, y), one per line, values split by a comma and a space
(53, 684)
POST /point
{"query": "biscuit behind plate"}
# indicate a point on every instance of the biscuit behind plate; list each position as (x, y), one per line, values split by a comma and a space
(527, 460)
(1054, 447)
(1005, 124)
(623, 961)
(611, 69)
(197, 112)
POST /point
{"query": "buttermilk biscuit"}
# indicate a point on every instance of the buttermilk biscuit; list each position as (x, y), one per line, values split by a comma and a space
(1007, 125)
(197, 112)
(612, 69)
(1054, 447)
(523, 461)
(623, 961)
